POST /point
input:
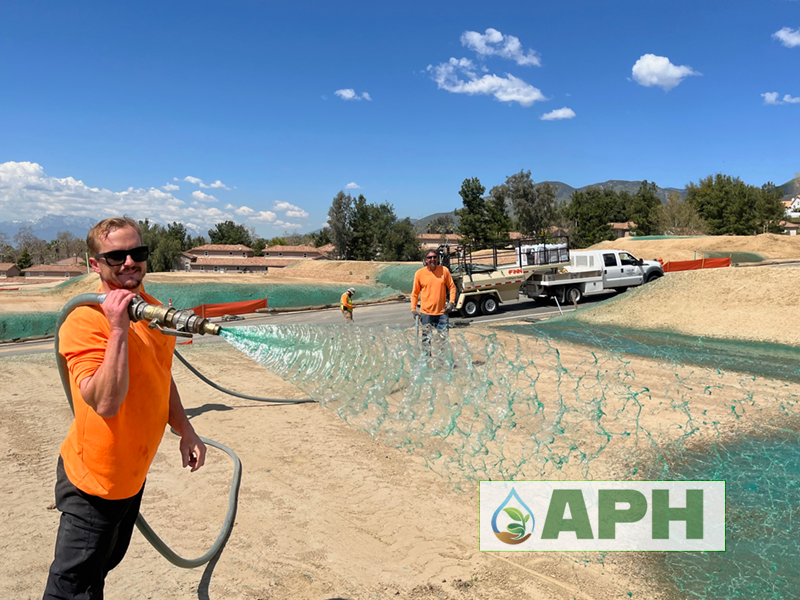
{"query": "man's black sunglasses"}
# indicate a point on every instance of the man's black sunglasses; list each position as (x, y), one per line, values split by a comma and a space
(116, 258)
(431, 257)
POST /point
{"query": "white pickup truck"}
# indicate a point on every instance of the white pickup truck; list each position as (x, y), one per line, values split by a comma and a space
(593, 272)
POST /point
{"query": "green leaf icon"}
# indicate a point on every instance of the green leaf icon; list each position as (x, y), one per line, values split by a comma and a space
(525, 520)
(517, 529)
(514, 513)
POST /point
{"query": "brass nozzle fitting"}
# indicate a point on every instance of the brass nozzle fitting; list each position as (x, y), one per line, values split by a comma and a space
(173, 318)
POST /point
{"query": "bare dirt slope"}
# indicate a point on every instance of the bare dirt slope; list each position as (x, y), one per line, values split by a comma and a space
(758, 304)
(768, 245)
(327, 511)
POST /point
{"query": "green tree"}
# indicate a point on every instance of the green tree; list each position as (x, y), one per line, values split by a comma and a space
(258, 246)
(320, 238)
(473, 223)
(401, 243)
(678, 217)
(644, 209)
(340, 217)
(589, 213)
(534, 205)
(496, 212)
(229, 232)
(25, 259)
(364, 239)
(730, 206)
(442, 224)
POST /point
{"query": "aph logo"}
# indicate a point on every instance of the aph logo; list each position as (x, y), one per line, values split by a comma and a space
(515, 520)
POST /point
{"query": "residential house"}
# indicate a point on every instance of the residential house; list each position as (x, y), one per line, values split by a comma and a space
(791, 207)
(54, 271)
(226, 258)
(9, 270)
(621, 230)
(789, 228)
(72, 260)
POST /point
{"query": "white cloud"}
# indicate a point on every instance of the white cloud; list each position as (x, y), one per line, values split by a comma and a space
(203, 197)
(773, 99)
(651, 70)
(352, 186)
(788, 37)
(265, 216)
(350, 94)
(291, 210)
(170, 187)
(494, 43)
(195, 180)
(287, 225)
(506, 89)
(218, 185)
(558, 114)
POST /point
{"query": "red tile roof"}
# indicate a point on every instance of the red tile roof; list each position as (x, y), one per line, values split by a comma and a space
(55, 269)
(223, 248)
(624, 226)
(306, 249)
(6, 266)
(242, 262)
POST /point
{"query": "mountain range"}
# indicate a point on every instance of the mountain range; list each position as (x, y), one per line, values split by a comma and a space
(564, 193)
(48, 226)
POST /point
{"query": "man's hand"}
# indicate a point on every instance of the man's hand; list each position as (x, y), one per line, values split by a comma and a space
(449, 307)
(415, 314)
(115, 307)
(193, 450)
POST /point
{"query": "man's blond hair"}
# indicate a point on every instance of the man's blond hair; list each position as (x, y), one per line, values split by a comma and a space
(106, 226)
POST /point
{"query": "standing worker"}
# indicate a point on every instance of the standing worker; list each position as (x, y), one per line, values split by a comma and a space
(347, 306)
(432, 283)
(124, 396)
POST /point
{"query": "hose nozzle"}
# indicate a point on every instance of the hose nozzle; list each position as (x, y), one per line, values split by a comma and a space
(166, 316)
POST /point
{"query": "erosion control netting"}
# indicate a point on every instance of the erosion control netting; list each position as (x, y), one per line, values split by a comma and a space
(524, 405)
(25, 325)
(736, 257)
(398, 277)
(278, 295)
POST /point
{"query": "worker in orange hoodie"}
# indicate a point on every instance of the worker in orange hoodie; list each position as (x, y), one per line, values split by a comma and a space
(347, 305)
(432, 284)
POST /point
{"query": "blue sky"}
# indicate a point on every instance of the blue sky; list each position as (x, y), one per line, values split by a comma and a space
(108, 107)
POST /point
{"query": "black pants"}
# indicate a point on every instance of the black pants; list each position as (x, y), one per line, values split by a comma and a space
(93, 536)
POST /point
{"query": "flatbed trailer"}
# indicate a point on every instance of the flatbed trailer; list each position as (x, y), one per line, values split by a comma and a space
(491, 273)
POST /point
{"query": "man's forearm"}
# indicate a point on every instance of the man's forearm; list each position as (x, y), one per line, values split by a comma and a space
(177, 415)
(105, 391)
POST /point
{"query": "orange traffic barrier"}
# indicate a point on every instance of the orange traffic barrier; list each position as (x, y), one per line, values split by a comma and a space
(696, 265)
(228, 308)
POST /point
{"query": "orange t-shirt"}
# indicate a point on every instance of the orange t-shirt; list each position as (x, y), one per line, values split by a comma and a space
(110, 457)
(431, 287)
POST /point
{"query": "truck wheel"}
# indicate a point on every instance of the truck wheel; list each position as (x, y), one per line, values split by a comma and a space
(471, 308)
(489, 305)
(574, 295)
(653, 276)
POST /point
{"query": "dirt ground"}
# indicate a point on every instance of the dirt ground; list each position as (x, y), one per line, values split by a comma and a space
(327, 511)
(768, 245)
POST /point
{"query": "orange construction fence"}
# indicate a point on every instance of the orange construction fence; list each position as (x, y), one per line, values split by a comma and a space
(228, 308)
(695, 265)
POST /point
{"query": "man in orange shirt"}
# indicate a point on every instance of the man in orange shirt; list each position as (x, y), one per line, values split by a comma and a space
(124, 397)
(347, 305)
(432, 283)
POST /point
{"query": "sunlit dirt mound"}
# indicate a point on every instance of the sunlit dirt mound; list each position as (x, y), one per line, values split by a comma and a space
(758, 304)
(768, 245)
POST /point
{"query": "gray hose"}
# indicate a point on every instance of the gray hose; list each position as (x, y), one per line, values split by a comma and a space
(233, 497)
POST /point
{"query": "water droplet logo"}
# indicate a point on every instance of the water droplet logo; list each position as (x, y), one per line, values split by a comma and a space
(519, 515)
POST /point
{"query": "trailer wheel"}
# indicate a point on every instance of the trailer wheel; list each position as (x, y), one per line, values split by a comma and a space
(574, 295)
(471, 307)
(489, 305)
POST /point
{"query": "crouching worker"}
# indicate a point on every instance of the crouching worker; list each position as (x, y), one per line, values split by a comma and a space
(121, 380)
(347, 305)
(432, 284)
